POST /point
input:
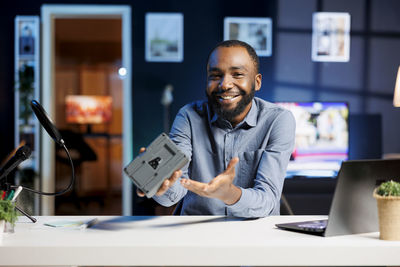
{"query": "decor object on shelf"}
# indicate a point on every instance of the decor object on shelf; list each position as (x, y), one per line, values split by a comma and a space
(331, 37)
(26, 90)
(257, 32)
(166, 100)
(388, 200)
(396, 97)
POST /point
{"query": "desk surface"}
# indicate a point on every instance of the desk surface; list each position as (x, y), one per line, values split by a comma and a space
(189, 240)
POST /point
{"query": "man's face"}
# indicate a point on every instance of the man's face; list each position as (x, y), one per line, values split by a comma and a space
(232, 80)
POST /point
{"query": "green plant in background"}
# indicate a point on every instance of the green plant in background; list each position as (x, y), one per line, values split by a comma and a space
(26, 89)
(8, 212)
(388, 189)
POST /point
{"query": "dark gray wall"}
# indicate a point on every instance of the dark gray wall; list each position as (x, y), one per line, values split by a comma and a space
(366, 81)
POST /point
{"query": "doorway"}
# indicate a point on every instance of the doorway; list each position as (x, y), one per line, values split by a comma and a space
(87, 57)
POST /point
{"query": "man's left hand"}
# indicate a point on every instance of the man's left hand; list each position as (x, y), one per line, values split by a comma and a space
(220, 187)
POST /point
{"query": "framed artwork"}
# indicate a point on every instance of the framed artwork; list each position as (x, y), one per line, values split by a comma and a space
(164, 37)
(331, 37)
(257, 32)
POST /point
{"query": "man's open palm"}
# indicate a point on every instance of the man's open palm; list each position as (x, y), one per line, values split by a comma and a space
(220, 187)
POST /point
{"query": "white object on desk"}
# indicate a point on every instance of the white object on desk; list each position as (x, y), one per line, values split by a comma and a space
(190, 240)
(73, 224)
(17, 192)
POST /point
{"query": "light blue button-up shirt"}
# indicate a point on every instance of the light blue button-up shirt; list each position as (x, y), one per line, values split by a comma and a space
(263, 141)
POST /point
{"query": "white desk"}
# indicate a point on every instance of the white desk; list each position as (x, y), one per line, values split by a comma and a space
(184, 241)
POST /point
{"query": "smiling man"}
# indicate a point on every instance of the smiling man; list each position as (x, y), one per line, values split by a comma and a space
(239, 145)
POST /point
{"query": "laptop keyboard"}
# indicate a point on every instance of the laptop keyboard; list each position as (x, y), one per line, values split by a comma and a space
(314, 225)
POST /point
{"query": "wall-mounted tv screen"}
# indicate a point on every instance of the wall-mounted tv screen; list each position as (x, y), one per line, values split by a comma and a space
(322, 138)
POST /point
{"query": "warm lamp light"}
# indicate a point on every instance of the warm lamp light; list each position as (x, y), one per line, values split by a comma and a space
(83, 109)
(396, 98)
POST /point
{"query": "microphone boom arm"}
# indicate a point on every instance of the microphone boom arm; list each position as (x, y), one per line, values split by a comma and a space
(59, 192)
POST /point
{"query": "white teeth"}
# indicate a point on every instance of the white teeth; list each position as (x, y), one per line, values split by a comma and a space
(227, 97)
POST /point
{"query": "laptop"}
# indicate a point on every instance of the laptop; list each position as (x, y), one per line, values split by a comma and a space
(353, 209)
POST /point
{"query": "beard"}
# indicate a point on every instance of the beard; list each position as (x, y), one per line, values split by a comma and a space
(231, 114)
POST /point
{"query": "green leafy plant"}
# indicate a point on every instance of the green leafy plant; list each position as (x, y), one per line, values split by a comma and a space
(389, 188)
(8, 212)
(25, 87)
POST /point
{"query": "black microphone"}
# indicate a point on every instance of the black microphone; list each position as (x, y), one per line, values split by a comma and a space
(46, 122)
(22, 154)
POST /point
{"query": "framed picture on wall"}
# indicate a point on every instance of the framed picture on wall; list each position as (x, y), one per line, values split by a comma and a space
(164, 37)
(257, 32)
(331, 37)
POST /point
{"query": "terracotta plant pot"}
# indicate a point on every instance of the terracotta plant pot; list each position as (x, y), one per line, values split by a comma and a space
(389, 216)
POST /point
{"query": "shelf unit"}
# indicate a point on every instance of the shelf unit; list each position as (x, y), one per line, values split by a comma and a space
(27, 87)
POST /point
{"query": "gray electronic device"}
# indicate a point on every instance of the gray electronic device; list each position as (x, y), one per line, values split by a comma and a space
(149, 170)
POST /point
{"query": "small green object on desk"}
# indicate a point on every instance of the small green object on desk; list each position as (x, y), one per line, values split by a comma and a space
(389, 188)
(8, 212)
(10, 195)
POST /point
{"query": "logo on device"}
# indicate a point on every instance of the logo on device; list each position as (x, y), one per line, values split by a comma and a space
(155, 162)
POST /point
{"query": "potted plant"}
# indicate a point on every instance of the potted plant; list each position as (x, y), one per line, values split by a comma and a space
(25, 86)
(388, 200)
(8, 214)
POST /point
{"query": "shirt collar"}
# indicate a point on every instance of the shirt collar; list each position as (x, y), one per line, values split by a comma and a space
(212, 113)
(250, 119)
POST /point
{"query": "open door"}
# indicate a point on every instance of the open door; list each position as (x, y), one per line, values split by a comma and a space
(85, 50)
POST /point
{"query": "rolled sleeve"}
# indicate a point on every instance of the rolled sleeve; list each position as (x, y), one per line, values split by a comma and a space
(241, 208)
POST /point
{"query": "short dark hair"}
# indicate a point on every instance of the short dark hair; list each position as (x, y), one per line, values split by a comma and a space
(236, 43)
